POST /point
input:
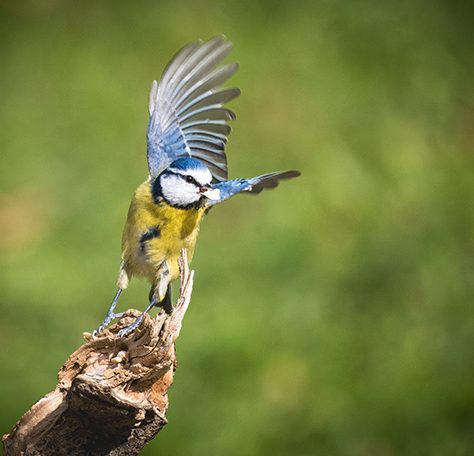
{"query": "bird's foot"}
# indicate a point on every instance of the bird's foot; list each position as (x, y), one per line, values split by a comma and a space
(130, 328)
(108, 318)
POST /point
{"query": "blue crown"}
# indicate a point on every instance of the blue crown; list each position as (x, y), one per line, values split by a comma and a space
(188, 163)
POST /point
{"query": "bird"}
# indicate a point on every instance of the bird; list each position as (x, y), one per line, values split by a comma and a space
(186, 137)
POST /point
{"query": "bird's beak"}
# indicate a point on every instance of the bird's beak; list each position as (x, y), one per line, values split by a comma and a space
(210, 193)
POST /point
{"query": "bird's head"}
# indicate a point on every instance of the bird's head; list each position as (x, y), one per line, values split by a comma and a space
(186, 183)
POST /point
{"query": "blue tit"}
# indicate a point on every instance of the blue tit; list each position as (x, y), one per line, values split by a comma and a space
(186, 136)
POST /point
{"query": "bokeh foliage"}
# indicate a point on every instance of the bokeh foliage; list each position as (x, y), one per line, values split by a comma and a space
(333, 316)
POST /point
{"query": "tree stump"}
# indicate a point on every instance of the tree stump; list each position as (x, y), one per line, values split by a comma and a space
(111, 397)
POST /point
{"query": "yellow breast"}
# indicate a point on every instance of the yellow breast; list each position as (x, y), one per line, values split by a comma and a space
(169, 231)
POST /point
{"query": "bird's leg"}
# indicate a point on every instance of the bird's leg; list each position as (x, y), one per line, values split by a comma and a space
(161, 287)
(122, 283)
(160, 296)
(110, 314)
(130, 328)
(166, 303)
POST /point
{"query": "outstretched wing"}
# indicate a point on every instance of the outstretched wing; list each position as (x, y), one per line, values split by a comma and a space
(252, 185)
(187, 113)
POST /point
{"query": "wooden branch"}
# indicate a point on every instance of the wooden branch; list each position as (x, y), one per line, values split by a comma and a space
(111, 397)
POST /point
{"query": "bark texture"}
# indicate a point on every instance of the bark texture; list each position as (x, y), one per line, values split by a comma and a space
(111, 397)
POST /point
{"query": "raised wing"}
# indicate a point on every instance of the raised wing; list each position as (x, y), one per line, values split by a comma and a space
(187, 113)
(252, 185)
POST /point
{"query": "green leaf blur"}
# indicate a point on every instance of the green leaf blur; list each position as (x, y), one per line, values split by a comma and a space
(332, 316)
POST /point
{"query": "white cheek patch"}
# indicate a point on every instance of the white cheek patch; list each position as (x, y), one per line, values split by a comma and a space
(177, 191)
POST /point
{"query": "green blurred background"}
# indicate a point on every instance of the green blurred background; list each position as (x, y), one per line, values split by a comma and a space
(333, 316)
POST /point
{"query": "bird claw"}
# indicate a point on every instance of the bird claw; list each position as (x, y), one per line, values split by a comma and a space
(108, 318)
(130, 328)
(97, 331)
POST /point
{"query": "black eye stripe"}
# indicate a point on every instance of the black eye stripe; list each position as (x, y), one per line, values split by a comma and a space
(190, 180)
(186, 177)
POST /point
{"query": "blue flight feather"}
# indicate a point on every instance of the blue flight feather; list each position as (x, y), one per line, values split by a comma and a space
(252, 185)
(187, 113)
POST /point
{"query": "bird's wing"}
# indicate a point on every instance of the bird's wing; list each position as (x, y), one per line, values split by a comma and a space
(252, 185)
(187, 113)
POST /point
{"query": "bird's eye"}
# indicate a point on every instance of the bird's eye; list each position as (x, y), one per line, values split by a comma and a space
(190, 179)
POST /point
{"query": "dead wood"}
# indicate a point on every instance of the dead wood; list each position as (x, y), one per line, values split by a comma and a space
(111, 397)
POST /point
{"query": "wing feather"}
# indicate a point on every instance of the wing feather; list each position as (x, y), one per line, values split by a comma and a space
(211, 112)
(187, 112)
(199, 64)
(253, 185)
(192, 133)
(209, 98)
(212, 80)
(270, 180)
(207, 146)
(206, 139)
(218, 126)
